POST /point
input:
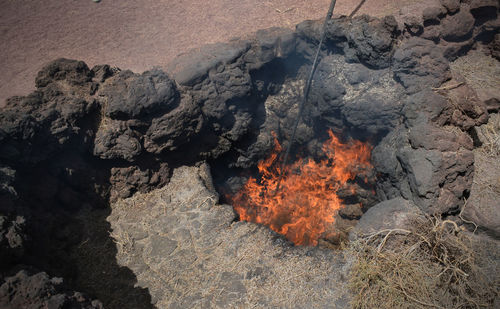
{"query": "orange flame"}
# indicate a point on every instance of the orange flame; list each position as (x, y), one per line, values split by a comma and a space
(306, 203)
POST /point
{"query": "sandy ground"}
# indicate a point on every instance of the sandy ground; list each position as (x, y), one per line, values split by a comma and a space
(138, 35)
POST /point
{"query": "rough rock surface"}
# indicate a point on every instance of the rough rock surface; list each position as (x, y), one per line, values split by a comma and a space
(125, 181)
(191, 68)
(458, 26)
(451, 5)
(40, 291)
(12, 238)
(362, 39)
(116, 140)
(132, 95)
(420, 64)
(432, 150)
(482, 206)
(433, 14)
(189, 252)
(390, 214)
(37, 125)
(352, 96)
(87, 137)
(495, 47)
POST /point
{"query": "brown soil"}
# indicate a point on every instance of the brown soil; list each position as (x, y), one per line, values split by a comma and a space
(138, 35)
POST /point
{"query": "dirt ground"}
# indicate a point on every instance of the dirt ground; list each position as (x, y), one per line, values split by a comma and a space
(138, 35)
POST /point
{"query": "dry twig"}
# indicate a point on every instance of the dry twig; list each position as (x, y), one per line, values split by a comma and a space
(433, 264)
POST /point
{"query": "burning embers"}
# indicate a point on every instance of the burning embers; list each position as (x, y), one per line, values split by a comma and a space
(305, 207)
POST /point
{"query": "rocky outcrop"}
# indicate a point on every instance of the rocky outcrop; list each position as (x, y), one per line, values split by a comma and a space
(419, 64)
(495, 47)
(430, 162)
(125, 181)
(429, 158)
(361, 39)
(115, 139)
(390, 214)
(12, 238)
(40, 291)
(87, 137)
(452, 6)
(59, 111)
(130, 96)
(457, 27)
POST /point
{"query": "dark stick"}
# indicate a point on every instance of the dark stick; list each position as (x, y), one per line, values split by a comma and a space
(306, 94)
(357, 8)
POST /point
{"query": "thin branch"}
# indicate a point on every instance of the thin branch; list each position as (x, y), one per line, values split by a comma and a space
(448, 87)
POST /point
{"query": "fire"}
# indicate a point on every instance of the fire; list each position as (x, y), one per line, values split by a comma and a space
(307, 202)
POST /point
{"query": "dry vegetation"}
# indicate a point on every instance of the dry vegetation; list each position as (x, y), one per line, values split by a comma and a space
(490, 137)
(479, 70)
(434, 264)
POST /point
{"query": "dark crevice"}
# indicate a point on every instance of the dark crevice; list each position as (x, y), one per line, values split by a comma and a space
(64, 201)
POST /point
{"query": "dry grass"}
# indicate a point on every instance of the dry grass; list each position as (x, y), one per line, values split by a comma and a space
(490, 137)
(434, 264)
(480, 71)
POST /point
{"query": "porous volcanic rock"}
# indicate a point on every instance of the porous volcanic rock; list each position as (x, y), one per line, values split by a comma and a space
(433, 14)
(390, 214)
(451, 5)
(429, 164)
(363, 38)
(86, 138)
(173, 129)
(131, 95)
(61, 109)
(116, 140)
(420, 64)
(125, 181)
(40, 291)
(495, 46)
(12, 238)
(457, 27)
